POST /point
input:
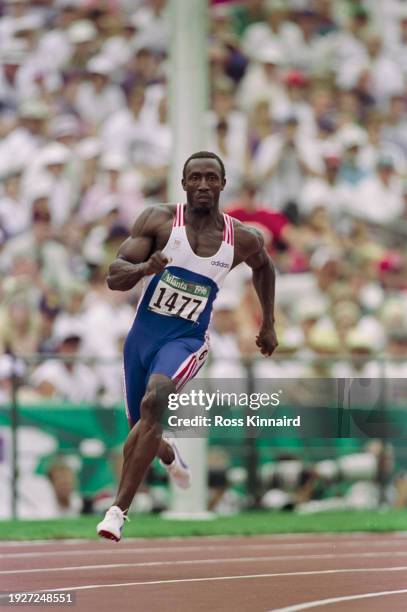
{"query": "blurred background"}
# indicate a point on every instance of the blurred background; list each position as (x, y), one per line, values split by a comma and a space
(307, 108)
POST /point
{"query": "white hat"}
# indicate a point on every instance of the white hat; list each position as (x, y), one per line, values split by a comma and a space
(113, 161)
(358, 339)
(64, 125)
(371, 296)
(393, 311)
(65, 329)
(11, 167)
(14, 52)
(351, 136)
(54, 153)
(226, 300)
(309, 308)
(291, 339)
(317, 194)
(82, 31)
(41, 188)
(100, 65)
(331, 148)
(269, 53)
(33, 109)
(108, 204)
(89, 148)
(27, 23)
(118, 50)
(325, 337)
(322, 256)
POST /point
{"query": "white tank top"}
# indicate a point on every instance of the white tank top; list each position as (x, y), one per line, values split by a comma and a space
(179, 250)
(183, 294)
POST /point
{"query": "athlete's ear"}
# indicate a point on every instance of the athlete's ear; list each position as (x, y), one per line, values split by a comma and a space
(183, 184)
(223, 184)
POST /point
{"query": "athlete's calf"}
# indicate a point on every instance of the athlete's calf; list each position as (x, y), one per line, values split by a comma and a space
(144, 440)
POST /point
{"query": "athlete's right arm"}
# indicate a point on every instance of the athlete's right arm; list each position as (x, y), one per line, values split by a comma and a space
(136, 258)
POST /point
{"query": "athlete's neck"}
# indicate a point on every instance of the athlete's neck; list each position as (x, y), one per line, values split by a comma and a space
(199, 219)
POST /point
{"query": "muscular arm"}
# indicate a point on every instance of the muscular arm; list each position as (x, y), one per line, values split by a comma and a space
(135, 258)
(264, 284)
(256, 257)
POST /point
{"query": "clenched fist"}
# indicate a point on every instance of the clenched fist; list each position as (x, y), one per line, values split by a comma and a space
(266, 340)
(156, 263)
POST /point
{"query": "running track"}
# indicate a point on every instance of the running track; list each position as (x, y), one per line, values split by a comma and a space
(287, 573)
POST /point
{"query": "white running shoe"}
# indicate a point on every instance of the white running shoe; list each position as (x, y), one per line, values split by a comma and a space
(178, 470)
(112, 525)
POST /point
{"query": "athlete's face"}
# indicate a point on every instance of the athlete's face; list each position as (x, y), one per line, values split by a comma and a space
(203, 183)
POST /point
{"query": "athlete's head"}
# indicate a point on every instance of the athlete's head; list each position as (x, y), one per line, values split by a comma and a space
(203, 178)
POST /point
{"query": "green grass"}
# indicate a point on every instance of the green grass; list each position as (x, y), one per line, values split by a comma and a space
(247, 523)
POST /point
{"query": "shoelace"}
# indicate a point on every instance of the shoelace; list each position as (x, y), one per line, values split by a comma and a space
(123, 513)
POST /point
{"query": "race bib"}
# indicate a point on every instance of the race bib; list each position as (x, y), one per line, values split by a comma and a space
(175, 297)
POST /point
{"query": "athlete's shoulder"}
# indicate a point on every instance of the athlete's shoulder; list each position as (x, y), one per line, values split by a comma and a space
(153, 217)
(247, 238)
(160, 210)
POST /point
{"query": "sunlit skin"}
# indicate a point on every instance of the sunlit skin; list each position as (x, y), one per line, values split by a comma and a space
(203, 184)
(141, 255)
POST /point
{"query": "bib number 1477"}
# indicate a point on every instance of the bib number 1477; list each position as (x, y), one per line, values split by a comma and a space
(176, 297)
(171, 304)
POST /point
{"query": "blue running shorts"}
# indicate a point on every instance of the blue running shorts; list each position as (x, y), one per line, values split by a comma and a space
(178, 359)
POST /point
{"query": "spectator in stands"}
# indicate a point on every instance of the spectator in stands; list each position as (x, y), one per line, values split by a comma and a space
(385, 186)
(263, 79)
(273, 225)
(394, 128)
(14, 216)
(66, 378)
(225, 358)
(97, 98)
(19, 328)
(40, 244)
(280, 165)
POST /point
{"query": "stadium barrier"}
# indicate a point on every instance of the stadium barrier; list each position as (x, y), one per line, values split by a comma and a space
(89, 437)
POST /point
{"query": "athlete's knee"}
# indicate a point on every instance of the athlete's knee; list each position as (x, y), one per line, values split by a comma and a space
(155, 400)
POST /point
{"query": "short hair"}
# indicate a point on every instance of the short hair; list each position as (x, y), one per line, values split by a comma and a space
(204, 155)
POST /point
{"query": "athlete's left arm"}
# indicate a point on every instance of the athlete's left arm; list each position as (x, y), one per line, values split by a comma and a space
(264, 283)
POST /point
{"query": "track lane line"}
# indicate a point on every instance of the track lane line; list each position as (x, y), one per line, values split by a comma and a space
(332, 600)
(219, 578)
(117, 549)
(68, 568)
(364, 535)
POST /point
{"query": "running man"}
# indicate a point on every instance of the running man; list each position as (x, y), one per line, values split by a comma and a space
(183, 253)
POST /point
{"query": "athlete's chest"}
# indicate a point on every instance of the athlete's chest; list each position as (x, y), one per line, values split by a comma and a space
(204, 243)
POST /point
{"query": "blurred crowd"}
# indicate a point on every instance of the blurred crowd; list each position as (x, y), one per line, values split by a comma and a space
(368, 479)
(308, 103)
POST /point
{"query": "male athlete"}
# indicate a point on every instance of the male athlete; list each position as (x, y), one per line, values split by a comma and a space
(183, 253)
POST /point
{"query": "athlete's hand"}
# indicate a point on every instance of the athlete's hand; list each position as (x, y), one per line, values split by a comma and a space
(267, 340)
(156, 263)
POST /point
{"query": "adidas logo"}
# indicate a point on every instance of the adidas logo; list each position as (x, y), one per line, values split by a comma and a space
(220, 264)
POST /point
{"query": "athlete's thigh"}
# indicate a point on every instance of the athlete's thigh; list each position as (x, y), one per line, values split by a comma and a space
(155, 400)
(180, 360)
(135, 381)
